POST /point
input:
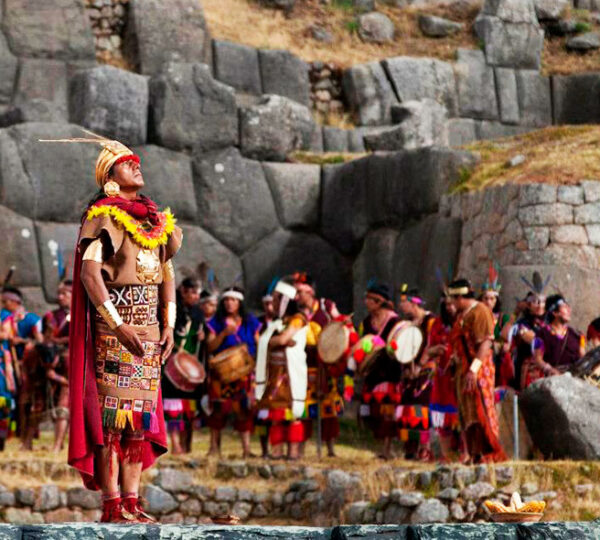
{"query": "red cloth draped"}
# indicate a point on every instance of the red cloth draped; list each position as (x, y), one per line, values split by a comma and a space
(140, 208)
(85, 429)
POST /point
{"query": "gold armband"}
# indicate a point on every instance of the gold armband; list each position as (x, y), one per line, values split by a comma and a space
(94, 252)
(476, 365)
(168, 271)
(169, 314)
(109, 313)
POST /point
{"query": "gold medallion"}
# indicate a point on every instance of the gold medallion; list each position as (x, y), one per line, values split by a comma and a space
(148, 266)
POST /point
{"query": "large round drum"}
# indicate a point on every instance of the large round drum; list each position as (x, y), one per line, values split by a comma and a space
(404, 342)
(333, 342)
(232, 364)
(185, 371)
(365, 351)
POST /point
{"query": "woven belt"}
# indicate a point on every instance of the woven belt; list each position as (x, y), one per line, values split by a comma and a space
(137, 304)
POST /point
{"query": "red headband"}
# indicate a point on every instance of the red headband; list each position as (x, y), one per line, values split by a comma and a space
(130, 157)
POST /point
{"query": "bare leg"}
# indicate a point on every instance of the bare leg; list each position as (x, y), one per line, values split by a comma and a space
(294, 450)
(277, 450)
(245, 438)
(215, 442)
(131, 473)
(27, 437)
(264, 445)
(176, 442)
(330, 448)
(108, 469)
(60, 430)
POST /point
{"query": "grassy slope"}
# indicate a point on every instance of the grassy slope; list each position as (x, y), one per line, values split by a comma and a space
(555, 155)
(245, 21)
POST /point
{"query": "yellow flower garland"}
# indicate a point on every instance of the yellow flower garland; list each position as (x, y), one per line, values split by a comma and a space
(134, 227)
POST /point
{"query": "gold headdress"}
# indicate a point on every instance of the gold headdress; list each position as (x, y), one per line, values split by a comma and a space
(112, 152)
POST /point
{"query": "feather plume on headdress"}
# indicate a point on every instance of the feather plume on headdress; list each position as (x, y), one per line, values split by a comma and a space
(537, 285)
(491, 283)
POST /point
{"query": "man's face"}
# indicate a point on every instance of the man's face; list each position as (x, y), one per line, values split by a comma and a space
(305, 297)
(190, 296)
(564, 313)
(490, 300)
(407, 309)
(128, 175)
(460, 303)
(373, 302)
(10, 305)
(268, 307)
(63, 296)
(537, 305)
(209, 308)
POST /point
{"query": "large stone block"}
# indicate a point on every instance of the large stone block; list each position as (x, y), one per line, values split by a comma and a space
(546, 214)
(162, 32)
(284, 74)
(277, 126)
(476, 88)
(296, 190)
(508, 98)
(169, 180)
(461, 131)
(19, 249)
(43, 79)
(234, 200)
(58, 29)
(487, 129)
(34, 110)
(237, 65)
(418, 124)
(369, 94)
(560, 412)
(385, 190)
(190, 110)
(338, 140)
(418, 78)
(284, 252)
(8, 71)
(571, 98)
(47, 181)
(535, 103)
(201, 247)
(510, 43)
(56, 247)
(112, 102)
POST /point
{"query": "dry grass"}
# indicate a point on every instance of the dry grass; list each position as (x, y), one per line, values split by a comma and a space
(325, 158)
(245, 21)
(555, 155)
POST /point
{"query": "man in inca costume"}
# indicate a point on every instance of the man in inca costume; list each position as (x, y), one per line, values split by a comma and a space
(122, 320)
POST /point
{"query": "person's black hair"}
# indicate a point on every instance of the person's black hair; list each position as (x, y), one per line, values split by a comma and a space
(553, 305)
(190, 283)
(222, 314)
(12, 290)
(461, 283)
(66, 283)
(380, 288)
(447, 319)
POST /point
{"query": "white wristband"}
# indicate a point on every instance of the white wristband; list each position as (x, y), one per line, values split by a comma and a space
(109, 313)
(476, 365)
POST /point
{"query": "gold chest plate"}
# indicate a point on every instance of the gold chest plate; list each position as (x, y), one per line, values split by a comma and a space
(148, 267)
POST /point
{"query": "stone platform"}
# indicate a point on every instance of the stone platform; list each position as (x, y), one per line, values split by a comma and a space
(81, 531)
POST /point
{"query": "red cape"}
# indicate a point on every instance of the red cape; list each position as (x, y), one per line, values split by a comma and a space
(85, 429)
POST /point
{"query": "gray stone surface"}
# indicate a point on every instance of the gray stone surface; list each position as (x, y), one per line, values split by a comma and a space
(56, 245)
(588, 213)
(169, 181)
(477, 491)
(84, 498)
(385, 189)
(550, 10)
(570, 194)
(335, 139)
(34, 110)
(506, 87)
(569, 234)
(277, 126)
(112, 102)
(418, 78)
(158, 500)
(418, 124)
(369, 94)
(495, 130)
(535, 103)
(461, 131)
(229, 191)
(47, 498)
(570, 98)
(296, 190)
(162, 32)
(59, 29)
(591, 190)
(475, 83)
(8, 70)
(43, 79)
(546, 214)
(375, 27)
(19, 248)
(173, 480)
(430, 511)
(511, 33)
(356, 511)
(438, 27)
(559, 412)
(283, 252)
(284, 74)
(190, 110)
(530, 194)
(237, 65)
(585, 42)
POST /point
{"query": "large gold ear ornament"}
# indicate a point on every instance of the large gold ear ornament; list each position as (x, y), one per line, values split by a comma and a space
(112, 189)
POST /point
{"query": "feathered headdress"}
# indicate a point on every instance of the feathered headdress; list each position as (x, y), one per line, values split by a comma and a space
(537, 284)
(444, 282)
(491, 283)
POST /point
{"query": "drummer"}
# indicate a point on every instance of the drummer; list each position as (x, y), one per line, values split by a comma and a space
(281, 372)
(208, 304)
(231, 326)
(380, 392)
(320, 312)
(181, 407)
(417, 378)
